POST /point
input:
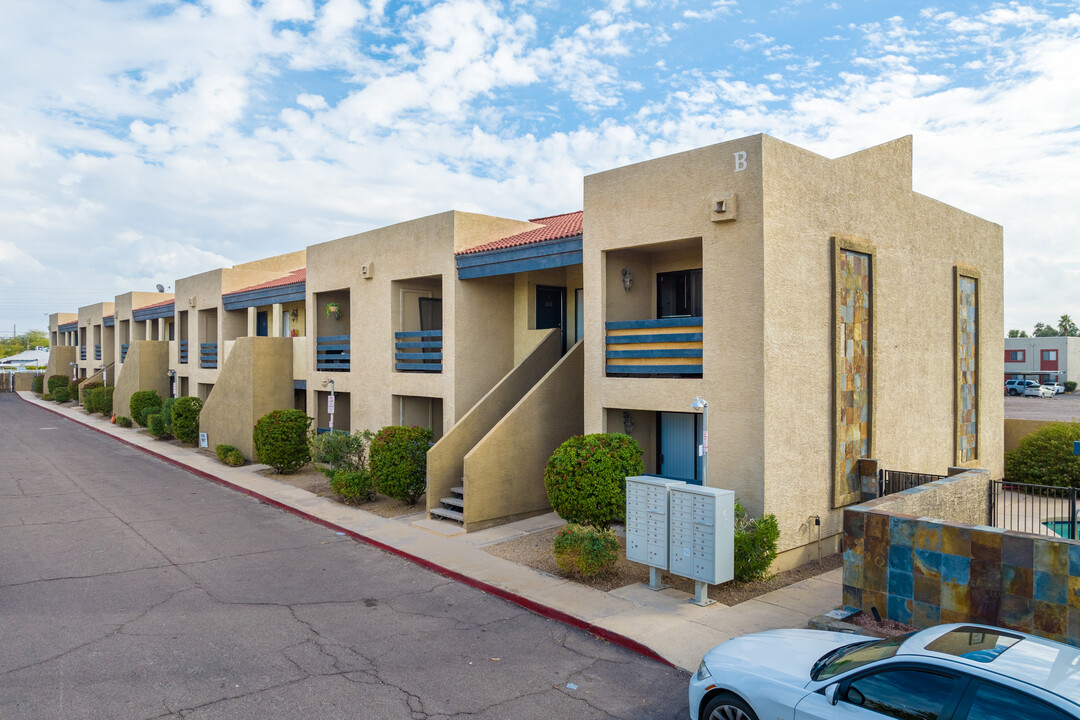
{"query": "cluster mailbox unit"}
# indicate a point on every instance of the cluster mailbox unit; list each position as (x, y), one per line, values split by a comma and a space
(687, 530)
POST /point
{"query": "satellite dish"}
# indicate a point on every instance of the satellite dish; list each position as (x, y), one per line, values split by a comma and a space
(160, 287)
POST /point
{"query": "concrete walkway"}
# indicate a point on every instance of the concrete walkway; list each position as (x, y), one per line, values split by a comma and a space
(661, 624)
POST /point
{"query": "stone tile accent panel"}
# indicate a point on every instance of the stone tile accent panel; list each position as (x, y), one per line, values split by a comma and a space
(854, 345)
(967, 350)
(922, 557)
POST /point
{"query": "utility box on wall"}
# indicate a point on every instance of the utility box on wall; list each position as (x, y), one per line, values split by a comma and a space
(647, 520)
(702, 533)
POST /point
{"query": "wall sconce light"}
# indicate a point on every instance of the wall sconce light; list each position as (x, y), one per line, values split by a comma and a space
(627, 279)
(628, 422)
(294, 315)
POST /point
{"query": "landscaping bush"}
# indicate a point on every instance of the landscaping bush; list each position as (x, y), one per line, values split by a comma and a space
(1045, 457)
(166, 413)
(1070, 385)
(353, 486)
(74, 386)
(398, 461)
(585, 551)
(38, 384)
(60, 395)
(47, 396)
(56, 381)
(101, 401)
(281, 440)
(84, 395)
(155, 422)
(586, 478)
(339, 450)
(142, 403)
(123, 421)
(755, 545)
(185, 419)
(229, 455)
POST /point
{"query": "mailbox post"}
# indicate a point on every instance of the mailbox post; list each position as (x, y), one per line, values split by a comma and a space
(647, 524)
(702, 537)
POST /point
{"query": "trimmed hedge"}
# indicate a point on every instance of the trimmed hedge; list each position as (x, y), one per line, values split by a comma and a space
(1045, 457)
(58, 381)
(339, 450)
(755, 544)
(281, 440)
(143, 403)
(229, 455)
(398, 461)
(185, 419)
(155, 423)
(123, 421)
(38, 384)
(166, 413)
(60, 395)
(586, 551)
(100, 400)
(353, 486)
(1070, 385)
(586, 478)
(85, 397)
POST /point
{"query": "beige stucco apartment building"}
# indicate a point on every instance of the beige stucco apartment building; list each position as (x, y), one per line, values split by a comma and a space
(824, 310)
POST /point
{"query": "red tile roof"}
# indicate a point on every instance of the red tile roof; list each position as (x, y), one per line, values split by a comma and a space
(294, 277)
(163, 303)
(556, 227)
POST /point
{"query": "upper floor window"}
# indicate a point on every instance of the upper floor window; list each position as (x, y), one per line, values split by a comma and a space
(1014, 356)
(1049, 355)
(678, 294)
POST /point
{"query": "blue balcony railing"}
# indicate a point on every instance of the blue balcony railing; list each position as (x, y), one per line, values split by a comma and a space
(332, 353)
(82, 352)
(97, 352)
(208, 355)
(670, 347)
(418, 351)
(183, 351)
(123, 353)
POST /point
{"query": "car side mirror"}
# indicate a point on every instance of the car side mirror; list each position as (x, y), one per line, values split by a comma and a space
(832, 693)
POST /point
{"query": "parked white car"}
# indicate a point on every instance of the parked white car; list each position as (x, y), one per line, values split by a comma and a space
(1039, 391)
(960, 672)
(1057, 387)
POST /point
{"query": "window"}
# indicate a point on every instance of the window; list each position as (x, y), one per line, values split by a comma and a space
(994, 702)
(1014, 356)
(1049, 355)
(905, 694)
(678, 294)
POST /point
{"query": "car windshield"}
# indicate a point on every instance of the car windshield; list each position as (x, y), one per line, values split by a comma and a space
(852, 656)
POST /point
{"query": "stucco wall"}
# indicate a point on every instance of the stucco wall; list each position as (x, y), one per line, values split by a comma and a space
(1016, 430)
(256, 379)
(499, 490)
(60, 359)
(91, 320)
(446, 459)
(144, 369)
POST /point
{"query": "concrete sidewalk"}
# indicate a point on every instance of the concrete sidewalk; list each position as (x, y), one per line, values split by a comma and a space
(662, 624)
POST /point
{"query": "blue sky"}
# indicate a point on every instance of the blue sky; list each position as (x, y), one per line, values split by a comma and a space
(145, 141)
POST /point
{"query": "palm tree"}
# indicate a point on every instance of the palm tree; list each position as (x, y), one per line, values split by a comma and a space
(1067, 327)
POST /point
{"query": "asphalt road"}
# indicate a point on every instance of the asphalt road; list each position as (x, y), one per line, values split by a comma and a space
(1064, 407)
(132, 589)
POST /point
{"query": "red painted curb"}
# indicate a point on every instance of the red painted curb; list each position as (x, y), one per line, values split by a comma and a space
(531, 605)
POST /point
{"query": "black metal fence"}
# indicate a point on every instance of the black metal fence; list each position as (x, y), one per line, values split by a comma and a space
(1036, 509)
(893, 481)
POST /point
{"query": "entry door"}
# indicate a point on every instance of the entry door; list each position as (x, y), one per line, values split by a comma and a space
(551, 310)
(680, 435)
(262, 329)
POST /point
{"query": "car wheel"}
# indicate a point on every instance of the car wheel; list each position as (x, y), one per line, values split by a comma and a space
(727, 707)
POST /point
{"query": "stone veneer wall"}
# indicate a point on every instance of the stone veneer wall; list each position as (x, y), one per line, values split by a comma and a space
(923, 571)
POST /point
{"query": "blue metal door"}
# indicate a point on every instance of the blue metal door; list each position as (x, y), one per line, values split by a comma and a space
(261, 325)
(679, 437)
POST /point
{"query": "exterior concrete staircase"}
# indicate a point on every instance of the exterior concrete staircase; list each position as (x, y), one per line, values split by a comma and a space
(453, 507)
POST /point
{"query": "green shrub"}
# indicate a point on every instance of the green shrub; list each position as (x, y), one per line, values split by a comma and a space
(185, 419)
(56, 381)
(229, 455)
(47, 396)
(100, 400)
(353, 486)
(586, 551)
(142, 403)
(74, 386)
(281, 440)
(1070, 385)
(339, 450)
(84, 395)
(586, 478)
(398, 461)
(166, 413)
(123, 421)
(1045, 457)
(38, 384)
(755, 544)
(155, 422)
(60, 395)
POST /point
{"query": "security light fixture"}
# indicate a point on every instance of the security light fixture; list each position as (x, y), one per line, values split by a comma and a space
(628, 422)
(627, 279)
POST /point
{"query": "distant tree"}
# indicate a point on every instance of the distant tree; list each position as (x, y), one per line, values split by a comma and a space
(1045, 330)
(27, 340)
(1067, 327)
(1017, 334)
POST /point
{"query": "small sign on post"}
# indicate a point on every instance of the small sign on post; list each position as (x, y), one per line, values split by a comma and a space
(330, 405)
(203, 442)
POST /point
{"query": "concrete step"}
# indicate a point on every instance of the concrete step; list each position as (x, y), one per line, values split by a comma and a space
(453, 502)
(459, 490)
(448, 514)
